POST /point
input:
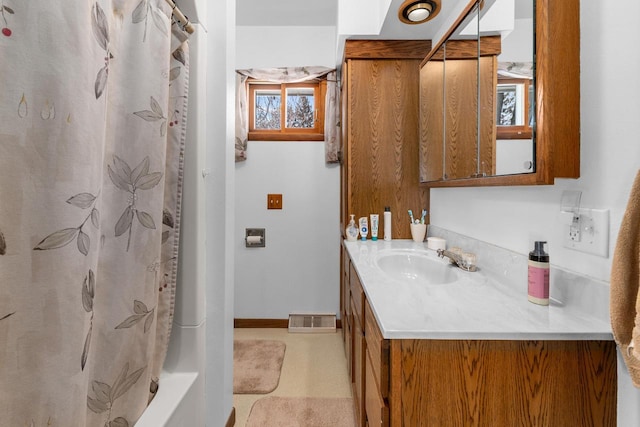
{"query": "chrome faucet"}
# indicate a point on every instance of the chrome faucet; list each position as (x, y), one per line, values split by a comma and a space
(457, 260)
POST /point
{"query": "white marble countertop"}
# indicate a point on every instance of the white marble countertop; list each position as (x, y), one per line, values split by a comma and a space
(477, 306)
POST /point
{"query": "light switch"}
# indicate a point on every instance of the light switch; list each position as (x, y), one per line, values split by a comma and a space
(274, 201)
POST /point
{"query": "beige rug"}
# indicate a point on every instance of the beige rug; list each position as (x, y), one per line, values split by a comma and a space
(274, 411)
(256, 365)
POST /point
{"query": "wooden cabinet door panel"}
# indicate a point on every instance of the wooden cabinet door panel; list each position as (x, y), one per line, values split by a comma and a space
(378, 349)
(375, 406)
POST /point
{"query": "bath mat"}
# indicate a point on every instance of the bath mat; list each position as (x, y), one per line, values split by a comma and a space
(302, 412)
(257, 365)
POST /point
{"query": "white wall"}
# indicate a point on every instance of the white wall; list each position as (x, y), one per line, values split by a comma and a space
(610, 158)
(265, 47)
(298, 270)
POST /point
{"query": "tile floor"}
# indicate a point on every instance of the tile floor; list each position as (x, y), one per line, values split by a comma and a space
(314, 366)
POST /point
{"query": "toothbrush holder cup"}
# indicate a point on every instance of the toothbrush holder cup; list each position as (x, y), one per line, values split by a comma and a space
(418, 231)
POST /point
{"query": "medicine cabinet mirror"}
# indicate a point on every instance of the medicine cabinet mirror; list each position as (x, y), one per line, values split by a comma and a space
(499, 96)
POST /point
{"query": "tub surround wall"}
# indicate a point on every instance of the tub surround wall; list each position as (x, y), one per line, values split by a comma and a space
(219, 210)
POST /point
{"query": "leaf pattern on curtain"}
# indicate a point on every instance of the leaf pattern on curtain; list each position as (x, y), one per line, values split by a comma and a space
(6, 316)
(154, 115)
(23, 107)
(105, 395)
(88, 293)
(4, 11)
(140, 311)
(179, 56)
(100, 27)
(65, 236)
(131, 181)
(141, 13)
(3, 244)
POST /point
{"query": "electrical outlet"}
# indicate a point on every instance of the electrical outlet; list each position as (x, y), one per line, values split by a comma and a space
(574, 229)
(589, 233)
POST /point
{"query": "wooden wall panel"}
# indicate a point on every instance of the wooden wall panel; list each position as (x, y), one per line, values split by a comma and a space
(383, 141)
(461, 102)
(488, 84)
(431, 121)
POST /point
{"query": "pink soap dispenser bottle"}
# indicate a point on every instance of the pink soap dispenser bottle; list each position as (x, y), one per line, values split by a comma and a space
(539, 275)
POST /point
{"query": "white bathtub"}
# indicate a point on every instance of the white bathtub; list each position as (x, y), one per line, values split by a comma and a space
(180, 398)
(174, 403)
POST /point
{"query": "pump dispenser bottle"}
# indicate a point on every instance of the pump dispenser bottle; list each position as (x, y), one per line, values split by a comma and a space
(539, 275)
(352, 230)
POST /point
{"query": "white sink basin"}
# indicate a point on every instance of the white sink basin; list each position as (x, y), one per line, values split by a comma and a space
(409, 266)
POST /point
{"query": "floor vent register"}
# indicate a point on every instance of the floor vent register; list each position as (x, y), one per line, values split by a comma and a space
(312, 323)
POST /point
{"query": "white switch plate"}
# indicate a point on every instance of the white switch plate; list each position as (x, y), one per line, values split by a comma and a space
(594, 233)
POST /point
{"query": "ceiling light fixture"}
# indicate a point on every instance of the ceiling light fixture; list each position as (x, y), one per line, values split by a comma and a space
(417, 12)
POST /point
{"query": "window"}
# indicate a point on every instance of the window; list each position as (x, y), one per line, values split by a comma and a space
(514, 112)
(286, 112)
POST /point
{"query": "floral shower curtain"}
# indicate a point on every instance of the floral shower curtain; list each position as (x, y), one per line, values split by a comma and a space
(93, 107)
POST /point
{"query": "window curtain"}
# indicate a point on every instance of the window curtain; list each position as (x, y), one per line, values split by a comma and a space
(516, 70)
(94, 101)
(288, 75)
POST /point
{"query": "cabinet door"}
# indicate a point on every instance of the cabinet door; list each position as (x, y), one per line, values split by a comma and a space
(359, 352)
(375, 406)
(377, 351)
(357, 296)
(432, 120)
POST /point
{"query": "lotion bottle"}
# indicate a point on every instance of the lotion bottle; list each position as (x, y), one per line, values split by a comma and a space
(387, 223)
(352, 230)
(539, 275)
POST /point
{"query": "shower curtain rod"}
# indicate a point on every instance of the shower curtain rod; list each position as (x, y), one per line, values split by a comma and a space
(180, 18)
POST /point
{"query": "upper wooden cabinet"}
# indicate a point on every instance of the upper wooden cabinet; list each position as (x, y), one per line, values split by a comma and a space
(380, 131)
(500, 96)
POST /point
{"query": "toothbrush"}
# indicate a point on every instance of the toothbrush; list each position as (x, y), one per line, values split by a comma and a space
(411, 216)
(424, 213)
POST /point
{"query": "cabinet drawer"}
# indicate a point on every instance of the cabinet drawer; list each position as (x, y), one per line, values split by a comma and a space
(375, 407)
(357, 295)
(378, 349)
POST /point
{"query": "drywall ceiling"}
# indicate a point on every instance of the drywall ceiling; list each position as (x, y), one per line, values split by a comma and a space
(325, 13)
(286, 12)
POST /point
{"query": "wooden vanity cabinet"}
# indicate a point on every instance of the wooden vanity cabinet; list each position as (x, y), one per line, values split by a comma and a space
(460, 382)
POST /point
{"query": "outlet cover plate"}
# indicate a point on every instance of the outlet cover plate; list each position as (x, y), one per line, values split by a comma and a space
(593, 237)
(274, 201)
